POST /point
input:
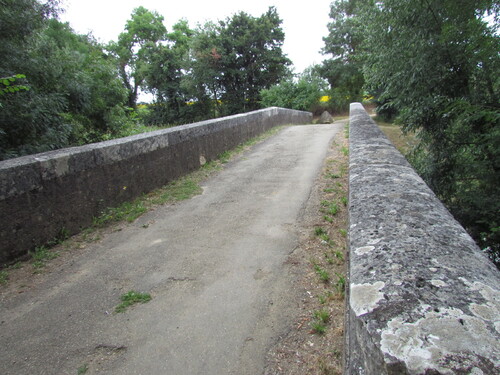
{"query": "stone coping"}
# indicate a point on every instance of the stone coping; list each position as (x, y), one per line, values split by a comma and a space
(423, 298)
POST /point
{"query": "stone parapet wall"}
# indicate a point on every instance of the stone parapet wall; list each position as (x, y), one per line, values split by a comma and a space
(42, 194)
(423, 298)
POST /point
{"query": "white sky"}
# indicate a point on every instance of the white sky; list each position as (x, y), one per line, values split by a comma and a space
(304, 22)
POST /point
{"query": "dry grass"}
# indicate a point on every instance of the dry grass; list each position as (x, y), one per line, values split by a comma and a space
(323, 254)
(403, 142)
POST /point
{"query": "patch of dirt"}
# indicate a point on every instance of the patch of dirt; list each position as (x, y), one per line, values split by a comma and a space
(322, 252)
(27, 273)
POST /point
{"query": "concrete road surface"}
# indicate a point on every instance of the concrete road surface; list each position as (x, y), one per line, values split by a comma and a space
(215, 266)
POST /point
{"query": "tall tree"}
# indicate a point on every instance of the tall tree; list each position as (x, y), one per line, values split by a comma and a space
(344, 69)
(135, 47)
(245, 54)
(75, 95)
(436, 62)
(27, 117)
(166, 78)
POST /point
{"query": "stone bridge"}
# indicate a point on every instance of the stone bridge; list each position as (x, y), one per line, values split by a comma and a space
(422, 298)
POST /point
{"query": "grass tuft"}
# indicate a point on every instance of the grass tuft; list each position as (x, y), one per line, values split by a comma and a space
(322, 273)
(130, 298)
(4, 277)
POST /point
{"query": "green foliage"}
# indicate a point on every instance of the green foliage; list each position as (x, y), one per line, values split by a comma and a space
(344, 69)
(318, 327)
(134, 50)
(80, 93)
(237, 58)
(302, 94)
(83, 369)
(446, 87)
(74, 94)
(8, 85)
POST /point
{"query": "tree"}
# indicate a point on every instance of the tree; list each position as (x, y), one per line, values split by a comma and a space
(245, 56)
(75, 95)
(303, 93)
(26, 116)
(166, 78)
(344, 69)
(135, 47)
(436, 63)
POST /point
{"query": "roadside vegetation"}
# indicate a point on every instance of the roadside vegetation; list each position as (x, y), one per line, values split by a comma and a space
(315, 345)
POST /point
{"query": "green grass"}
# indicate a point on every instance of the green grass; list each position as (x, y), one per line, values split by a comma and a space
(340, 284)
(322, 273)
(328, 219)
(224, 157)
(329, 208)
(403, 142)
(333, 209)
(318, 231)
(322, 315)
(344, 201)
(332, 175)
(83, 369)
(4, 277)
(178, 190)
(329, 260)
(318, 327)
(41, 255)
(130, 298)
(128, 211)
(338, 254)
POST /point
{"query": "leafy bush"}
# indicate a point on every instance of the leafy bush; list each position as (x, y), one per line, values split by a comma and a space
(302, 94)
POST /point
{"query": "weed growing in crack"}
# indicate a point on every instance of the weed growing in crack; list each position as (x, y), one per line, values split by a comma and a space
(131, 298)
(82, 369)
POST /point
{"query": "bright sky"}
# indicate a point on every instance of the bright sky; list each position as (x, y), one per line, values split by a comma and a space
(304, 22)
